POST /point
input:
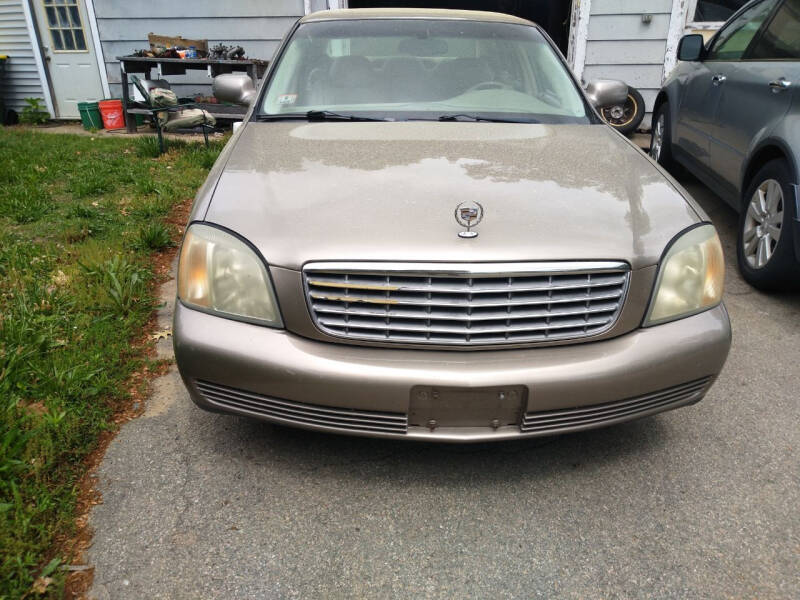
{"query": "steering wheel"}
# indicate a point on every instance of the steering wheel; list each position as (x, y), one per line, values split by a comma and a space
(488, 85)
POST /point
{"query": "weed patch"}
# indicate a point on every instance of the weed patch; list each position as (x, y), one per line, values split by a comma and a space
(147, 147)
(154, 236)
(25, 202)
(79, 219)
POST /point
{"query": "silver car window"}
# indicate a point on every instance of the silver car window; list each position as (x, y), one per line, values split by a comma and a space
(780, 39)
(733, 40)
(414, 68)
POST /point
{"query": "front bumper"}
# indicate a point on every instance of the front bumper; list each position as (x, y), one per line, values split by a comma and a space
(245, 369)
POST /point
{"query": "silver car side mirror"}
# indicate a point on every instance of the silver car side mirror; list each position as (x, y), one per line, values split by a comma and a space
(235, 88)
(606, 92)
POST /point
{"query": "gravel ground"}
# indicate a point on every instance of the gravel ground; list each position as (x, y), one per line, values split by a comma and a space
(698, 502)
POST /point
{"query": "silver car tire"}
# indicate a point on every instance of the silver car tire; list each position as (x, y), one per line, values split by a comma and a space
(660, 139)
(765, 248)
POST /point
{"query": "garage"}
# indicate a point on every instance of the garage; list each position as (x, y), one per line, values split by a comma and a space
(552, 15)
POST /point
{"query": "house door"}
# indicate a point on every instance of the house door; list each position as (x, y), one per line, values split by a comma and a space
(68, 50)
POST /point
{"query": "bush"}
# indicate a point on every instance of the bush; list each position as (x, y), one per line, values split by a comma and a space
(34, 112)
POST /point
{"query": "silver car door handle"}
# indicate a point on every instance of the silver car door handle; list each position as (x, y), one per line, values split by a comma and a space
(780, 84)
(718, 79)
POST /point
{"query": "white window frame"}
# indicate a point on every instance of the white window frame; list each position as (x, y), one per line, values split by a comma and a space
(98, 47)
(699, 25)
(578, 36)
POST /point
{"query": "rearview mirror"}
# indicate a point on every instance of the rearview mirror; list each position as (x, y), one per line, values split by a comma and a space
(690, 48)
(603, 93)
(426, 47)
(235, 88)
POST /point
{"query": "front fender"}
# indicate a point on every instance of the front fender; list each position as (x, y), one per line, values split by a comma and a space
(672, 91)
(776, 137)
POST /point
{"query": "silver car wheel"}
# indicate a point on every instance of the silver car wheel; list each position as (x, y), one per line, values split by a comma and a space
(657, 142)
(762, 225)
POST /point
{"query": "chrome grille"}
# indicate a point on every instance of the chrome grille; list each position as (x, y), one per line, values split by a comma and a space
(489, 303)
(300, 413)
(622, 410)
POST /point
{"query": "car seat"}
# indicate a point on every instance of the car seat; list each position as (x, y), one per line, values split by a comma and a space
(454, 77)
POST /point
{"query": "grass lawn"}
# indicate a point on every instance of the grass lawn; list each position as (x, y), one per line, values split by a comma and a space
(81, 221)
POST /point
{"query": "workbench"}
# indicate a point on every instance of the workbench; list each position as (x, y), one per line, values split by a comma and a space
(165, 67)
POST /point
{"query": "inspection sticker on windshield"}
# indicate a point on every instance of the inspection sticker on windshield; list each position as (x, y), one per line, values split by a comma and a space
(287, 98)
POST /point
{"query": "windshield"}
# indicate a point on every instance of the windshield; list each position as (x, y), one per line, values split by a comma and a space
(401, 69)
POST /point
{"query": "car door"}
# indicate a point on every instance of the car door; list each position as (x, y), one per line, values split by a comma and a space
(703, 87)
(757, 91)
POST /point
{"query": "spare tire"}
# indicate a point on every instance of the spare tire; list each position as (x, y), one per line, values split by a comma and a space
(626, 117)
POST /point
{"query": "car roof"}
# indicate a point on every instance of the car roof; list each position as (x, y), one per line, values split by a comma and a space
(412, 13)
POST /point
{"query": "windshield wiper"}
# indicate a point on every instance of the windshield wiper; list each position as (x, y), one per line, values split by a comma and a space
(327, 115)
(315, 115)
(465, 117)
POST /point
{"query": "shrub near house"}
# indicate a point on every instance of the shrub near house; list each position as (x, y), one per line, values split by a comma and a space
(34, 112)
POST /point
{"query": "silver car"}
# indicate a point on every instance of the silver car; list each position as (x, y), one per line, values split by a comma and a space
(424, 230)
(730, 113)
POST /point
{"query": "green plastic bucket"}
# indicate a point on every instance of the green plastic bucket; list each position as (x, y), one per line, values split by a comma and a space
(90, 115)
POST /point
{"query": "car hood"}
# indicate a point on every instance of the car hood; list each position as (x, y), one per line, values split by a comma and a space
(388, 191)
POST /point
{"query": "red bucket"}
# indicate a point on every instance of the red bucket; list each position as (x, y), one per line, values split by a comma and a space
(111, 112)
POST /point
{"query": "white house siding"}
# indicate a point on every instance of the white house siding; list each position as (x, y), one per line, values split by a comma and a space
(256, 25)
(621, 46)
(21, 78)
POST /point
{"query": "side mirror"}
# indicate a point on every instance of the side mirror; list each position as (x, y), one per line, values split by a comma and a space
(235, 88)
(603, 93)
(690, 48)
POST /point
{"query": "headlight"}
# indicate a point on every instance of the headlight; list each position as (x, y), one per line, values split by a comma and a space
(690, 277)
(219, 273)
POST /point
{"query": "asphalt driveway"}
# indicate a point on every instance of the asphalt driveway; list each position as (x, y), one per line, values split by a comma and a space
(698, 502)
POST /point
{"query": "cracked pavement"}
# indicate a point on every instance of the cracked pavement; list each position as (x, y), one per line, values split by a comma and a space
(698, 502)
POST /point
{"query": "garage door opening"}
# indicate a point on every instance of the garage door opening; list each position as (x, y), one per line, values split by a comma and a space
(552, 15)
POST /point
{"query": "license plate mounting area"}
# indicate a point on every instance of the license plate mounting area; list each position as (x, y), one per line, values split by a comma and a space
(433, 407)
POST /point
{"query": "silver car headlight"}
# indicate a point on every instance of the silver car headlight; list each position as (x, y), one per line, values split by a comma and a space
(690, 278)
(219, 273)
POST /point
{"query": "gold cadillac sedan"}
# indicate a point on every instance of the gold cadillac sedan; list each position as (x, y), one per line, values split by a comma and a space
(424, 231)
